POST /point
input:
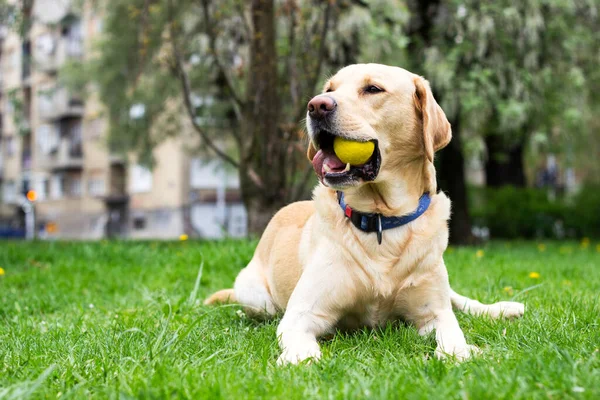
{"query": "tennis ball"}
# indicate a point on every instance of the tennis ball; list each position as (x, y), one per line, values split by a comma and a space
(351, 151)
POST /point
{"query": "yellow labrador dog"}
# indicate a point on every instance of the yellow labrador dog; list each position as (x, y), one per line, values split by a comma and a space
(369, 248)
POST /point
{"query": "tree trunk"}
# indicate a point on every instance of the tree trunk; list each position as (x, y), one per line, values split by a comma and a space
(450, 161)
(259, 214)
(262, 194)
(451, 179)
(504, 165)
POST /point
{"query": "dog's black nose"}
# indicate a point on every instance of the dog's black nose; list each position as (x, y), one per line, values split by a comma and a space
(320, 106)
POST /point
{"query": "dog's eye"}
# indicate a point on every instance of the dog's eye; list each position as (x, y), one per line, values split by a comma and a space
(329, 90)
(372, 89)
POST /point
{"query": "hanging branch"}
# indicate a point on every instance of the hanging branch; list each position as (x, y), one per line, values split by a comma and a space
(313, 78)
(187, 92)
(239, 7)
(212, 43)
(321, 53)
(292, 61)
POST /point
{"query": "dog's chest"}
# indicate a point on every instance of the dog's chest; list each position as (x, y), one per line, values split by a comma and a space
(387, 283)
(374, 307)
(374, 313)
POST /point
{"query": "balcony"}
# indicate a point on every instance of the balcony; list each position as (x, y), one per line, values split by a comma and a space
(67, 156)
(56, 103)
(26, 160)
(52, 51)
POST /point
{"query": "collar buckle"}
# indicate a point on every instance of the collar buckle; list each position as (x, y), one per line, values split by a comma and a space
(374, 222)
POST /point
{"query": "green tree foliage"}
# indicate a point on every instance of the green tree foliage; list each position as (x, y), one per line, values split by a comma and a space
(511, 69)
(242, 70)
(504, 72)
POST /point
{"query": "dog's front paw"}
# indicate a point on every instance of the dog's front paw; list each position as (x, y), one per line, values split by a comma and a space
(507, 309)
(460, 353)
(298, 353)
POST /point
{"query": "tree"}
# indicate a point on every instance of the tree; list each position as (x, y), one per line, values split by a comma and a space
(244, 71)
(502, 71)
(424, 37)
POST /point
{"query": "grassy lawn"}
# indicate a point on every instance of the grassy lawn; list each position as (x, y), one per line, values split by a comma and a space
(125, 320)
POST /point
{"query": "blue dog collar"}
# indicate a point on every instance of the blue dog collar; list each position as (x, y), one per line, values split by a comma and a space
(375, 222)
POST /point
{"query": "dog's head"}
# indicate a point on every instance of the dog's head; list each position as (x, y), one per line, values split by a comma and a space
(387, 105)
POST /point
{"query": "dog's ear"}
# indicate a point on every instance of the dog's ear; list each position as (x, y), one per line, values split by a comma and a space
(436, 128)
(311, 151)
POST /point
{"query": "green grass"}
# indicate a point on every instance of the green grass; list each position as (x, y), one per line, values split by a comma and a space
(124, 320)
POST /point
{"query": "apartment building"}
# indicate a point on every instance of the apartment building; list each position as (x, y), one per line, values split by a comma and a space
(53, 141)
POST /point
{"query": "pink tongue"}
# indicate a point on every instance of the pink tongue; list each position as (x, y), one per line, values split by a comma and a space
(331, 160)
(317, 162)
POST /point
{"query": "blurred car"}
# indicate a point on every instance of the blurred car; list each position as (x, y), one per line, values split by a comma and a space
(11, 232)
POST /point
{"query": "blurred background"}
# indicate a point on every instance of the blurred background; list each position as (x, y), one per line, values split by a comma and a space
(184, 118)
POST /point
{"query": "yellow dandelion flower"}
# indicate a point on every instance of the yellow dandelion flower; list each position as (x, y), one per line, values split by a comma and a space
(598, 248)
(541, 247)
(479, 253)
(2, 272)
(183, 237)
(508, 290)
(534, 275)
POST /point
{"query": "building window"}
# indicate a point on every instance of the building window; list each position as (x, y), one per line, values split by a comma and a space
(45, 44)
(75, 188)
(11, 146)
(140, 180)
(56, 186)
(42, 186)
(204, 175)
(73, 36)
(45, 187)
(9, 192)
(96, 187)
(71, 130)
(9, 107)
(47, 139)
(139, 222)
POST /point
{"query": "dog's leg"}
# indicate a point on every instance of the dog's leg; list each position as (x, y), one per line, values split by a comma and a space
(297, 334)
(313, 309)
(506, 309)
(450, 339)
(249, 291)
(252, 293)
(428, 305)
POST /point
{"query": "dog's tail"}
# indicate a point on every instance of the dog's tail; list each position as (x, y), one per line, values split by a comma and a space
(222, 296)
(506, 309)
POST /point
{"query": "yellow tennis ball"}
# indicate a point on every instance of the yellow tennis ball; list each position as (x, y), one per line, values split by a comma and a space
(351, 151)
